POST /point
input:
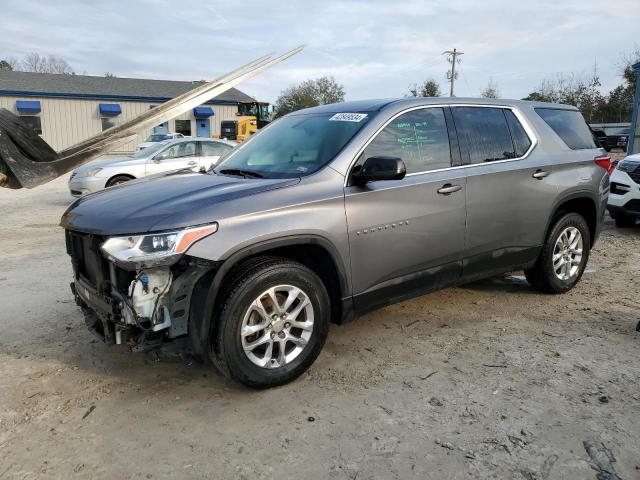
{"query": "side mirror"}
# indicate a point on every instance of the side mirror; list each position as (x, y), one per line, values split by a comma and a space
(379, 168)
(159, 157)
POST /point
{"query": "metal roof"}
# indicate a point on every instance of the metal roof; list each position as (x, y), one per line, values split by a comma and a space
(29, 84)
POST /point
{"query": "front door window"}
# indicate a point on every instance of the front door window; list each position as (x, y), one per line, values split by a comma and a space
(418, 137)
(179, 150)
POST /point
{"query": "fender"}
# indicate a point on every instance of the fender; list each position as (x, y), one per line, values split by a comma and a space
(203, 323)
(290, 240)
(132, 177)
(576, 194)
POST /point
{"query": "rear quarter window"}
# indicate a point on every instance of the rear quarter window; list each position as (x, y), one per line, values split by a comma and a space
(521, 140)
(569, 126)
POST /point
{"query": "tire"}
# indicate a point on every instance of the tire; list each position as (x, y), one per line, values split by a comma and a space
(117, 180)
(543, 275)
(624, 221)
(264, 366)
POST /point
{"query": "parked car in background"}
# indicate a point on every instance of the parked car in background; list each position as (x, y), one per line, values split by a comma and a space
(624, 197)
(191, 153)
(158, 137)
(331, 212)
(611, 136)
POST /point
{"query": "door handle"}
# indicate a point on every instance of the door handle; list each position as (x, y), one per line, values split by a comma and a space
(540, 174)
(192, 163)
(448, 189)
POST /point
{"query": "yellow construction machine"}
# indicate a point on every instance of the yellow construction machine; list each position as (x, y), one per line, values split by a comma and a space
(251, 117)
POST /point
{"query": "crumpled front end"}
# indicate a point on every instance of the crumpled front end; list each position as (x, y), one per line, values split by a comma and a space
(138, 307)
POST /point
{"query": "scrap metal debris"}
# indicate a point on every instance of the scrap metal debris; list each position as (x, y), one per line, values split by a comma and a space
(428, 375)
(88, 412)
(602, 460)
(547, 465)
(517, 441)
(27, 161)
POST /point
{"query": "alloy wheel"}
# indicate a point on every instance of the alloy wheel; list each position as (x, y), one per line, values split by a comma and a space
(567, 253)
(277, 326)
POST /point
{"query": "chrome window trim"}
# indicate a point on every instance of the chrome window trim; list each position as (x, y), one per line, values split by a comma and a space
(521, 118)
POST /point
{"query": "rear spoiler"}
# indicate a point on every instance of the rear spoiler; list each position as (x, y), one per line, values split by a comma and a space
(26, 160)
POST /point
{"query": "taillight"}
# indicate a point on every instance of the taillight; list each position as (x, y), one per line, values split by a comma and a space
(604, 161)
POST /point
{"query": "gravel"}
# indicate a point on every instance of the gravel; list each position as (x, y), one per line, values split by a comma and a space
(491, 379)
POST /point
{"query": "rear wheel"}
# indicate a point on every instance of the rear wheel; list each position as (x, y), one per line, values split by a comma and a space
(118, 179)
(272, 324)
(564, 256)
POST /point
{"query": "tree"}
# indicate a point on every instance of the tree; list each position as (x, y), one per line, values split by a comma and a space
(491, 90)
(34, 62)
(583, 91)
(109, 75)
(619, 105)
(574, 89)
(8, 64)
(429, 88)
(310, 93)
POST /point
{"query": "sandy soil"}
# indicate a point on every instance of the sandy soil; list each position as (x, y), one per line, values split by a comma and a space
(492, 380)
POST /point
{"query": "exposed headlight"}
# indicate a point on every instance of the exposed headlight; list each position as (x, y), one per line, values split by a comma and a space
(155, 248)
(92, 172)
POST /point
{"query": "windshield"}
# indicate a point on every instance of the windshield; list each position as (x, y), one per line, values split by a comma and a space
(147, 152)
(295, 146)
(157, 137)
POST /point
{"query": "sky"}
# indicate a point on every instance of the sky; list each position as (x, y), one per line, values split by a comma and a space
(376, 49)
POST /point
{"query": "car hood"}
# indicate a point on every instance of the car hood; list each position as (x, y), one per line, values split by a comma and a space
(174, 200)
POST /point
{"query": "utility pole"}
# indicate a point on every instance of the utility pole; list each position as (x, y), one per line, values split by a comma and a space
(452, 58)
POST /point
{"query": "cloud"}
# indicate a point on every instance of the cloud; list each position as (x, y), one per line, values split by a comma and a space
(375, 48)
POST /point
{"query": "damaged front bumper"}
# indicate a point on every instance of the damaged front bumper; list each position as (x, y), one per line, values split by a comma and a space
(140, 308)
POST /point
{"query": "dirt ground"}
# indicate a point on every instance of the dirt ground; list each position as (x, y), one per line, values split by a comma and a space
(492, 380)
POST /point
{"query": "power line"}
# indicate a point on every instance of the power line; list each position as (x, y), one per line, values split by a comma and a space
(472, 91)
(452, 58)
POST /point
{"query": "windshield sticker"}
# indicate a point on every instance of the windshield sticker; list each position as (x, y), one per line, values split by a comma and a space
(348, 117)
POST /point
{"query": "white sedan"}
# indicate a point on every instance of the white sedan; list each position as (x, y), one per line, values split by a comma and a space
(158, 137)
(192, 153)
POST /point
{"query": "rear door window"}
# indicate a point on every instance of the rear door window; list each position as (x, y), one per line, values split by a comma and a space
(214, 149)
(484, 133)
(418, 137)
(569, 125)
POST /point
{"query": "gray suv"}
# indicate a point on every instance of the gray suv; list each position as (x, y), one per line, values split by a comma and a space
(331, 212)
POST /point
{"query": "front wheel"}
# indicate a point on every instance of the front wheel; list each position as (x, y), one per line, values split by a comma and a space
(117, 180)
(564, 256)
(272, 325)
